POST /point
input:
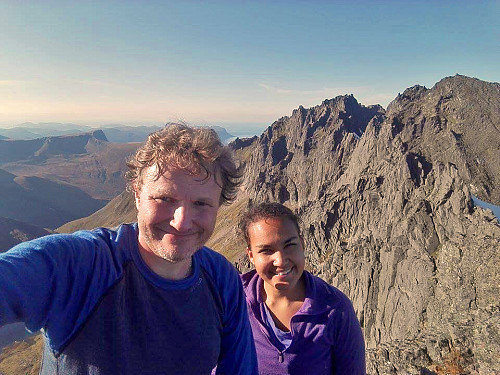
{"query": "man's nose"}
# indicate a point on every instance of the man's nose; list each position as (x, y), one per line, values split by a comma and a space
(182, 220)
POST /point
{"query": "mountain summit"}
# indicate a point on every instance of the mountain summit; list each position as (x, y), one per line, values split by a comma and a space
(385, 201)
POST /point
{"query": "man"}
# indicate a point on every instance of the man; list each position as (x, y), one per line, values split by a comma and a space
(146, 298)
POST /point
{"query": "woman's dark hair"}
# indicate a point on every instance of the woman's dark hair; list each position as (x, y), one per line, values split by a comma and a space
(265, 210)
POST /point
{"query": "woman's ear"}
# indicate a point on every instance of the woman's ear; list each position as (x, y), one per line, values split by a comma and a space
(250, 254)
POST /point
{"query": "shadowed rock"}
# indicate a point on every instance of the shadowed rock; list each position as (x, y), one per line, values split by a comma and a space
(385, 200)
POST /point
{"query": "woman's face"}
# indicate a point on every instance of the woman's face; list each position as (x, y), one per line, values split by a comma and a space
(277, 251)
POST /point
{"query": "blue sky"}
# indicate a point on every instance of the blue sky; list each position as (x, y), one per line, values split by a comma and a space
(234, 63)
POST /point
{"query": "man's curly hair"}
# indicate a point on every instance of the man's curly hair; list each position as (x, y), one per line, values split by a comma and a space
(195, 150)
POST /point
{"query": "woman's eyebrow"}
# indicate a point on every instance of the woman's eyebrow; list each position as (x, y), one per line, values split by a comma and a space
(204, 200)
(285, 242)
(291, 239)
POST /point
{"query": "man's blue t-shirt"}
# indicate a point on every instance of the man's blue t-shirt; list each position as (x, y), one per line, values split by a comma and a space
(103, 311)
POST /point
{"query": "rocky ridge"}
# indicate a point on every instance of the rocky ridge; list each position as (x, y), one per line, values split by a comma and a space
(385, 200)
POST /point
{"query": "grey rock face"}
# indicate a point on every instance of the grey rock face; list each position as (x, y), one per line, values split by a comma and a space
(388, 219)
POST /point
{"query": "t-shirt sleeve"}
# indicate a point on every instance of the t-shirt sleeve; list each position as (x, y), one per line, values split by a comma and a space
(47, 283)
(348, 350)
(237, 355)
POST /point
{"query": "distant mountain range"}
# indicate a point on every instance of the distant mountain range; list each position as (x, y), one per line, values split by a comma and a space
(29, 130)
(86, 161)
(113, 133)
(387, 203)
(42, 148)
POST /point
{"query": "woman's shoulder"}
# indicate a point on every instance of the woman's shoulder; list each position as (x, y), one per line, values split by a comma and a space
(330, 296)
(249, 277)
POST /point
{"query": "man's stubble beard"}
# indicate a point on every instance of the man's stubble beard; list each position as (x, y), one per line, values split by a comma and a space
(157, 247)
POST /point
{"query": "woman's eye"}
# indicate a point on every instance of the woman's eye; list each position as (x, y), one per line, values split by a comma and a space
(201, 204)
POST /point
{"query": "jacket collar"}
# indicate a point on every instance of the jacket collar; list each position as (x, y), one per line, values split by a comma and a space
(318, 297)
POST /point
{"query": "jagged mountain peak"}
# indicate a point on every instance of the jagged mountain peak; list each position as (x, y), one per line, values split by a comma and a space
(341, 101)
(462, 81)
(454, 87)
(457, 120)
(292, 145)
(340, 111)
(410, 94)
(388, 215)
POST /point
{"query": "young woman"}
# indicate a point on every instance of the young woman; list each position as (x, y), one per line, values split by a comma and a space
(301, 325)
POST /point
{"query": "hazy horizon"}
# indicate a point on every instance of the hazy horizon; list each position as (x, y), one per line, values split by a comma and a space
(229, 63)
(241, 130)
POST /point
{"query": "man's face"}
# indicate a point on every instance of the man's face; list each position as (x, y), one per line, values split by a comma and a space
(176, 216)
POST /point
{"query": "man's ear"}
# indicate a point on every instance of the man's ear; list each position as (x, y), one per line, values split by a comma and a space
(250, 254)
(136, 196)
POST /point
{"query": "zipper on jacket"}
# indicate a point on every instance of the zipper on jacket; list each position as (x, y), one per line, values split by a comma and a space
(280, 357)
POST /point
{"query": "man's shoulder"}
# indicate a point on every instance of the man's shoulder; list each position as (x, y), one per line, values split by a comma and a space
(209, 258)
(81, 244)
(219, 269)
(124, 235)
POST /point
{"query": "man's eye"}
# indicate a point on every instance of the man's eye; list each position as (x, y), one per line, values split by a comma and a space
(163, 199)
